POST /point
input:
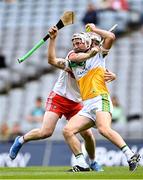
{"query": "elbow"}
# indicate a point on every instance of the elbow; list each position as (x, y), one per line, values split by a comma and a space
(50, 60)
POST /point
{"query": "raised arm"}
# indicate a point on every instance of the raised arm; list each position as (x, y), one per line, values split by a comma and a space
(52, 59)
(108, 36)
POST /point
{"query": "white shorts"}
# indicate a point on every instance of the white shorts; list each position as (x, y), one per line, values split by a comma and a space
(99, 103)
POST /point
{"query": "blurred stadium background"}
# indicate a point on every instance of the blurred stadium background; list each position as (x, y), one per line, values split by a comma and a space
(22, 24)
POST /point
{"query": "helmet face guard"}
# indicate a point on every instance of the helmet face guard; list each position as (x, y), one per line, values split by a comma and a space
(84, 38)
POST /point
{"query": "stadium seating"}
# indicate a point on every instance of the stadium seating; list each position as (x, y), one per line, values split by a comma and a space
(24, 23)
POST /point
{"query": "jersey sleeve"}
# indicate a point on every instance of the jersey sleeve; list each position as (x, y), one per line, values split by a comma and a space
(67, 57)
(67, 65)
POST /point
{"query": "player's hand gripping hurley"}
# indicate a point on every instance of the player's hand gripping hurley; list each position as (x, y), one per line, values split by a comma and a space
(111, 30)
(66, 19)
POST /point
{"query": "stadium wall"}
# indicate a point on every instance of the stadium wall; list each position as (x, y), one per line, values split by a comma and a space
(57, 153)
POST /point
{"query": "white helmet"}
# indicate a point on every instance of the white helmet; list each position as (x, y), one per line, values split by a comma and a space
(94, 36)
(85, 38)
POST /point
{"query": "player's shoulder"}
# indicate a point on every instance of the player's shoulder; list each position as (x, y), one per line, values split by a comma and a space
(69, 53)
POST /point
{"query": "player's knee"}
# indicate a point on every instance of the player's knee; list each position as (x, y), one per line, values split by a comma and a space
(67, 131)
(104, 130)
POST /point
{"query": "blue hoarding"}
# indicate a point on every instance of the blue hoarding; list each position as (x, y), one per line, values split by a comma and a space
(57, 153)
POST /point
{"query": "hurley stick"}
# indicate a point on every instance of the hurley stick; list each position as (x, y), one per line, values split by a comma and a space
(66, 19)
